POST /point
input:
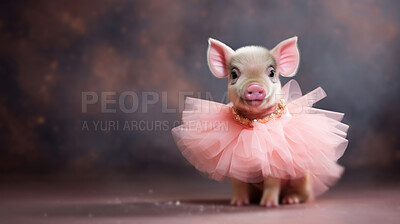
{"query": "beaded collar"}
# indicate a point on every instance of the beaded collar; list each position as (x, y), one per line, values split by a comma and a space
(275, 115)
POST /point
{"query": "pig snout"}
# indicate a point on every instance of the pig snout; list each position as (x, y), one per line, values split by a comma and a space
(254, 92)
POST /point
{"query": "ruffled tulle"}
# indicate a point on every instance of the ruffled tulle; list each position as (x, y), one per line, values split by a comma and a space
(304, 140)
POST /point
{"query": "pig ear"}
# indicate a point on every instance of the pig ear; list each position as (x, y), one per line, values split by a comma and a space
(287, 57)
(218, 55)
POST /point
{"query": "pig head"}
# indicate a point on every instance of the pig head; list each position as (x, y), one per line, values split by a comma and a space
(253, 74)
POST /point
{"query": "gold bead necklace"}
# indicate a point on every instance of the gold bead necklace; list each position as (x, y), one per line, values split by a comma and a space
(275, 115)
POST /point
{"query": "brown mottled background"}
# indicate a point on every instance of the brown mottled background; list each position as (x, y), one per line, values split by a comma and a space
(52, 51)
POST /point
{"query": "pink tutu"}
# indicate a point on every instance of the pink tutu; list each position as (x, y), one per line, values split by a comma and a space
(303, 140)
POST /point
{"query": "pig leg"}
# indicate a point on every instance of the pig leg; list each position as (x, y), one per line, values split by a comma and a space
(297, 190)
(271, 189)
(240, 194)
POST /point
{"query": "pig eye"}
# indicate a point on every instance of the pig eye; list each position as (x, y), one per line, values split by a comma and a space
(271, 72)
(235, 73)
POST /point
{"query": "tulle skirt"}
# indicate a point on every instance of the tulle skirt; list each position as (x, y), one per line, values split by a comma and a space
(304, 140)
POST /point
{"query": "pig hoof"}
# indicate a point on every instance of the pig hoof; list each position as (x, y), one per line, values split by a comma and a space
(239, 202)
(270, 204)
(291, 199)
(270, 200)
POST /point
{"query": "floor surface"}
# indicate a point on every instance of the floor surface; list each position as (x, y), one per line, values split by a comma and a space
(178, 200)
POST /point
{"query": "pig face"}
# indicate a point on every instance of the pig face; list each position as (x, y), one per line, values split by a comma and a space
(253, 73)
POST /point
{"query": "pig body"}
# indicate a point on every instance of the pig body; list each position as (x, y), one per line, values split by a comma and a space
(277, 148)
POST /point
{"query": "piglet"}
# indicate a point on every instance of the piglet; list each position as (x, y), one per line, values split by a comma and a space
(254, 88)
